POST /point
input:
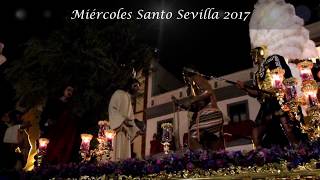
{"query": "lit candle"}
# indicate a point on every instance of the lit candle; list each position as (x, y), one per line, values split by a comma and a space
(305, 70)
(306, 74)
(43, 144)
(109, 136)
(85, 144)
(310, 89)
(276, 81)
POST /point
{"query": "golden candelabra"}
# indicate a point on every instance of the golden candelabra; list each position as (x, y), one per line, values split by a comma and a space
(285, 90)
(310, 90)
(102, 152)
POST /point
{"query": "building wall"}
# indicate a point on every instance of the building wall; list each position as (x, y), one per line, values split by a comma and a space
(138, 141)
(253, 105)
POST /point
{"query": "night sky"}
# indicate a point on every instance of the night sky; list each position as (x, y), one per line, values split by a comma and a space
(215, 47)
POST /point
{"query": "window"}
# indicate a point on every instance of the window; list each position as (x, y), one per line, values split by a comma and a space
(238, 111)
(160, 132)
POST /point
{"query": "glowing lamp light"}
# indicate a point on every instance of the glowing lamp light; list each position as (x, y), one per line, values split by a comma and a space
(310, 89)
(305, 70)
(276, 81)
(85, 144)
(277, 78)
(306, 74)
(43, 144)
(109, 134)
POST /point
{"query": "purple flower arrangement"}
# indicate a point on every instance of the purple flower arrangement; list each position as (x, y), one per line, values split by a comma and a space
(189, 160)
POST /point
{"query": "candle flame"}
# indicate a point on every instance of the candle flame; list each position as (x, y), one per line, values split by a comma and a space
(305, 71)
(86, 137)
(109, 133)
(43, 142)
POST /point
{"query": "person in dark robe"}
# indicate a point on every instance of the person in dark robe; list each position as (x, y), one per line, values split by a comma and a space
(155, 145)
(59, 124)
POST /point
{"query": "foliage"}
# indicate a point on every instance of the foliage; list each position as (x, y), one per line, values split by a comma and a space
(96, 57)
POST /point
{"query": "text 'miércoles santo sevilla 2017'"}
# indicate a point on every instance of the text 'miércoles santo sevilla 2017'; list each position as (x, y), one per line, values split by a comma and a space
(181, 14)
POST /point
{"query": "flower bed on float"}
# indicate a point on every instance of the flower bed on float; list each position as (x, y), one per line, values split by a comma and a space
(294, 162)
